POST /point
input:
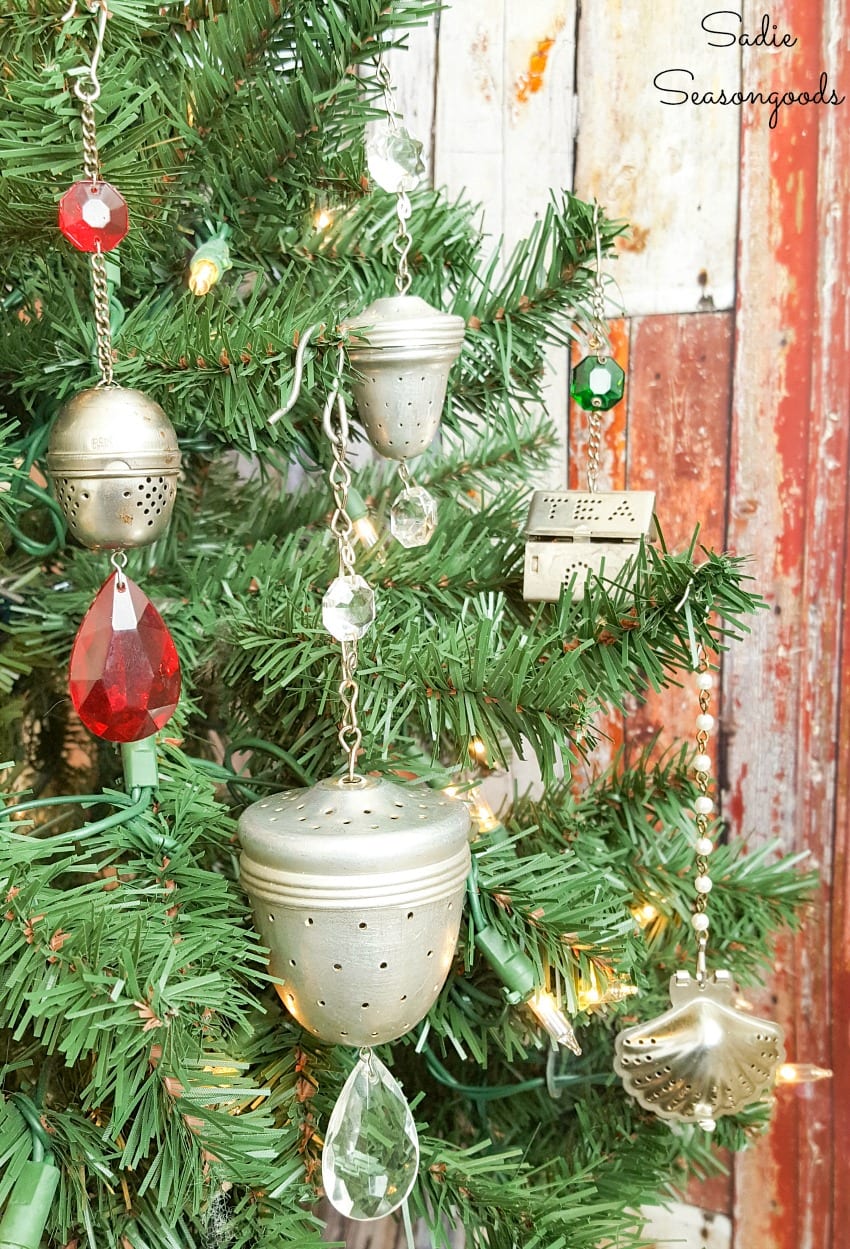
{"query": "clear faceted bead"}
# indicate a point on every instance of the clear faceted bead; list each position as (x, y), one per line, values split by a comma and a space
(394, 157)
(413, 517)
(371, 1153)
(348, 608)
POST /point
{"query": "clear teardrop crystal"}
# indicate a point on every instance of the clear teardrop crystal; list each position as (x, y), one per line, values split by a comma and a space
(348, 608)
(413, 516)
(394, 157)
(371, 1154)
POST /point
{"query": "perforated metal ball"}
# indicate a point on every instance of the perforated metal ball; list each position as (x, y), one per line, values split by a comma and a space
(357, 890)
(113, 459)
(402, 349)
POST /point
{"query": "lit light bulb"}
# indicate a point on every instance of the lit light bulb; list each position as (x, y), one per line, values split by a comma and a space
(588, 997)
(209, 262)
(367, 534)
(323, 219)
(801, 1073)
(477, 750)
(553, 1019)
(620, 990)
(483, 816)
(203, 275)
(645, 913)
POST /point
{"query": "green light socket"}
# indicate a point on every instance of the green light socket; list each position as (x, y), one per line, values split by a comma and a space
(514, 968)
(140, 770)
(25, 1216)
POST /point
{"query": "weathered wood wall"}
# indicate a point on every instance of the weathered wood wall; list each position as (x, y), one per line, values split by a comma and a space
(734, 283)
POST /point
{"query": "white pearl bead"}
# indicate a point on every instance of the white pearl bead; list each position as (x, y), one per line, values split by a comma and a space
(702, 884)
(705, 723)
(703, 805)
(700, 922)
(708, 1125)
(704, 846)
(705, 680)
(702, 763)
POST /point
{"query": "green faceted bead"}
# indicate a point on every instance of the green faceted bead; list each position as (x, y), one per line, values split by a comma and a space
(597, 384)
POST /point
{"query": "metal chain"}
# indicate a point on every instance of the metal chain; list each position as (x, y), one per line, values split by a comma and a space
(594, 441)
(402, 242)
(91, 156)
(702, 809)
(406, 475)
(103, 326)
(342, 527)
(598, 342)
(389, 94)
(87, 90)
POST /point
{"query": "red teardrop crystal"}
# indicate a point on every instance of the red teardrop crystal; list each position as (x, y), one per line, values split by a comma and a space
(125, 674)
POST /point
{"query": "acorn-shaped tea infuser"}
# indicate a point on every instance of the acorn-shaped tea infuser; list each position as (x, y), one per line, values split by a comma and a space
(357, 886)
(572, 535)
(113, 460)
(401, 347)
(702, 1058)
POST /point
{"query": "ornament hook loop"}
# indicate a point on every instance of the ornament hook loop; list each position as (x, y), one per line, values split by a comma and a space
(298, 375)
(87, 88)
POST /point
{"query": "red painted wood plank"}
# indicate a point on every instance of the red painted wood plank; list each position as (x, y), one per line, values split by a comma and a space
(679, 410)
(787, 504)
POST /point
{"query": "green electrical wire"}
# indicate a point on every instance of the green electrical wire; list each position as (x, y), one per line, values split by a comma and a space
(488, 1093)
(139, 801)
(41, 1146)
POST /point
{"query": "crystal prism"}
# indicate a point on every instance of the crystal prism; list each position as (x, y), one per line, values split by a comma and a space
(597, 383)
(394, 157)
(93, 216)
(413, 516)
(371, 1153)
(348, 608)
(125, 674)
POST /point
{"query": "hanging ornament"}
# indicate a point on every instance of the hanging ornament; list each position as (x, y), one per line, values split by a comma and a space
(703, 1058)
(113, 460)
(124, 673)
(371, 1154)
(357, 887)
(572, 535)
(401, 347)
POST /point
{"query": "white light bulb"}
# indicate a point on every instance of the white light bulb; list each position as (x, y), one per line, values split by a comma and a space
(553, 1019)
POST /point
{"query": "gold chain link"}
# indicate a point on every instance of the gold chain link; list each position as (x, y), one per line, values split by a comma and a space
(103, 327)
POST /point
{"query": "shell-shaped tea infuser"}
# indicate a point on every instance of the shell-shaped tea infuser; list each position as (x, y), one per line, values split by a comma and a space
(702, 1058)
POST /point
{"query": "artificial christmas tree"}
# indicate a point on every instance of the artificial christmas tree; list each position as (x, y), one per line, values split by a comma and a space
(144, 1049)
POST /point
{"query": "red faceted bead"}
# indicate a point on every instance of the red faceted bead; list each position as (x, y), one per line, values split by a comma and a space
(93, 215)
(125, 674)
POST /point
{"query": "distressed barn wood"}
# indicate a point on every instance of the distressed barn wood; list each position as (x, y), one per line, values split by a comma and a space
(671, 171)
(787, 504)
(504, 127)
(680, 387)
